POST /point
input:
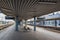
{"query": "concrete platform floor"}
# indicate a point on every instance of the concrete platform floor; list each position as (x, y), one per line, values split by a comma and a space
(41, 34)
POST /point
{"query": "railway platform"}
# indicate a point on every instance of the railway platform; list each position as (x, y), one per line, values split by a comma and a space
(40, 34)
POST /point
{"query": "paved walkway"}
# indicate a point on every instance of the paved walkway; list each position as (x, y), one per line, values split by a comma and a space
(41, 34)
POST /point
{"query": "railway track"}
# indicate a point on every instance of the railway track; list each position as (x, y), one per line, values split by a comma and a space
(2, 26)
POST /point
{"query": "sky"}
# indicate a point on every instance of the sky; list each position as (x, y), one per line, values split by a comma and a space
(2, 15)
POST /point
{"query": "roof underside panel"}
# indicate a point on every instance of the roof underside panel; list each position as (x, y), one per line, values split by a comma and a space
(26, 9)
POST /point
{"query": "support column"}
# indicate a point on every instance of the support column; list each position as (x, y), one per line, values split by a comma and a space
(34, 23)
(55, 23)
(22, 23)
(19, 25)
(19, 22)
(16, 23)
(25, 23)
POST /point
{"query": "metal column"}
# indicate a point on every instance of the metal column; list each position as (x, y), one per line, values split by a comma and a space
(55, 23)
(17, 23)
(25, 23)
(22, 23)
(34, 23)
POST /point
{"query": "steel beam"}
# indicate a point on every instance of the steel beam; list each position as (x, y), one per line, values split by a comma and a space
(17, 23)
(34, 23)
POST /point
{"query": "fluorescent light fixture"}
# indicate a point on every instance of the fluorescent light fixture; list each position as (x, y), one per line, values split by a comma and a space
(46, 3)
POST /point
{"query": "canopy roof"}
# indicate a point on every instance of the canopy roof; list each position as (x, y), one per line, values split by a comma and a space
(26, 9)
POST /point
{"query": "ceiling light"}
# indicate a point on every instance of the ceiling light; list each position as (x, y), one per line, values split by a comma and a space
(47, 2)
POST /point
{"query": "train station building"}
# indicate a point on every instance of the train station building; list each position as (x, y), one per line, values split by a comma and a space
(30, 19)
